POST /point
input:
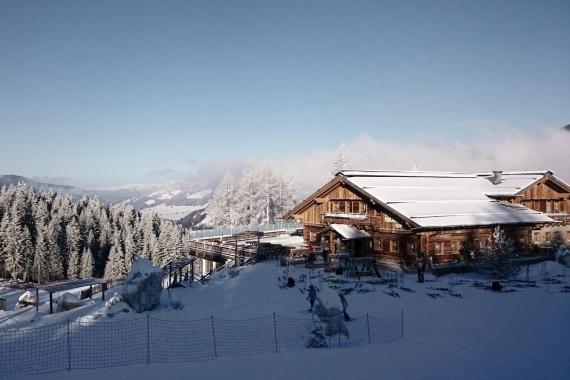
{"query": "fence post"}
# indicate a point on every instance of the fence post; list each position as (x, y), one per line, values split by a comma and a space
(275, 332)
(147, 339)
(214, 336)
(368, 327)
(68, 347)
(402, 316)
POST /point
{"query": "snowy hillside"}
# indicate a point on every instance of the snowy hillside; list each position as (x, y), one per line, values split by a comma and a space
(453, 326)
(171, 201)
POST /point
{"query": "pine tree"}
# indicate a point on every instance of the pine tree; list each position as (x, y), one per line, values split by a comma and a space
(220, 208)
(74, 249)
(116, 267)
(41, 256)
(268, 199)
(3, 242)
(248, 202)
(55, 254)
(87, 264)
(341, 161)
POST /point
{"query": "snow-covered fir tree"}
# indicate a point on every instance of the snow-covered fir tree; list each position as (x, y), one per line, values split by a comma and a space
(249, 204)
(220, 209)
(260, 197)
(87, 263)
(341, 161)
(46, 237)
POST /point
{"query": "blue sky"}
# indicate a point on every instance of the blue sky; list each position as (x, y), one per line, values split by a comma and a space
(111, 92)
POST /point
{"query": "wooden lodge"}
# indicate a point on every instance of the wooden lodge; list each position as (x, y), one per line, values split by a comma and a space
(394, 215)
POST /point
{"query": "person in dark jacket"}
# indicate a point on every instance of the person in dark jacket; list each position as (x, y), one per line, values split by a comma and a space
(421, 266)
(312, 296)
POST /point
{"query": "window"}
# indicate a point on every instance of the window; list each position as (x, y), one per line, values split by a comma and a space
(480, 244)
(548, 206)
(342, 206)
(379, 245)
(522, 241)
(439, 248)
(455, 247)
(393, 246)
(411, 248)
(355, 207)
(548, 236)
(536, 236)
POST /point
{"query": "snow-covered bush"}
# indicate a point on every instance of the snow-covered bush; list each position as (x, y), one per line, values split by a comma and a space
(498, 262)
(333, 320)
(317, 337)
(116, 305)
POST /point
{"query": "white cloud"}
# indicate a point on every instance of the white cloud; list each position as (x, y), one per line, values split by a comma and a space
(499, 149)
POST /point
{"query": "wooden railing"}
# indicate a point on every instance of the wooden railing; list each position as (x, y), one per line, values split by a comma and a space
(219, 252)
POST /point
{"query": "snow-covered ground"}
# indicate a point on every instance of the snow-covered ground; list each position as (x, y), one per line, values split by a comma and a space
(172, 212)
(519, 334)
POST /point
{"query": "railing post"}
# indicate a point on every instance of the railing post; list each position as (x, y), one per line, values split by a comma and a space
(275, 332)
(147, 339)
(368, 327)
(68, 347)
(214, 336)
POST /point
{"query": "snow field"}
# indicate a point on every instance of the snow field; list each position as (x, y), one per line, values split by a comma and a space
(483, 335)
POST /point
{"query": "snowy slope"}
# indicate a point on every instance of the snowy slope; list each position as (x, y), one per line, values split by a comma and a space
(171, 200)
(483, 335)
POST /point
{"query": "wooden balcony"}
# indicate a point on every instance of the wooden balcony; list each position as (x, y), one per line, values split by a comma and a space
(347, 218)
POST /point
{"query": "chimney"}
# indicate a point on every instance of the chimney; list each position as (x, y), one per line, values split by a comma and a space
(497, 177)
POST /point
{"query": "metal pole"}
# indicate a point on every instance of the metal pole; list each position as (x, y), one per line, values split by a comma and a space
(275, 333)
(50, 302)
(169, 274)
(147, 339)
(368, 328)
(68, 348)
(214, 336)
(37, 300)
(402, 316)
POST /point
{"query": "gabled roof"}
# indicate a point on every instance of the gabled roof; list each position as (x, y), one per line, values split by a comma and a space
(439, 199)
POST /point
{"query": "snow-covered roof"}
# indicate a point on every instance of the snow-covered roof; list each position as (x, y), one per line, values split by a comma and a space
(437, 199)
(511, 181)
(350, 232)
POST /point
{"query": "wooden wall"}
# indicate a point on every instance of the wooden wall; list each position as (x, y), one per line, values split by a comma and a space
(342, 200)
(545, 197)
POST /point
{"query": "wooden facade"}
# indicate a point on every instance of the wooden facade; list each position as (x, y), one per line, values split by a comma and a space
(393, 238)
(552, 197)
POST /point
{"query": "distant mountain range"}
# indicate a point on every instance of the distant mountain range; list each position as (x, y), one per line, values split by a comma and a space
(179, 202)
